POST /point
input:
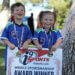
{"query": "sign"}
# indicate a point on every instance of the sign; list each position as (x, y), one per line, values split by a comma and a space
(34, 62)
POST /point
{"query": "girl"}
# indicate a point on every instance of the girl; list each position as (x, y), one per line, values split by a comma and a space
(49, 37)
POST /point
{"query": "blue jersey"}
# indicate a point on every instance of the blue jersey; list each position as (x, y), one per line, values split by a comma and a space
(22, 33)
(17, 35)
(48, 39)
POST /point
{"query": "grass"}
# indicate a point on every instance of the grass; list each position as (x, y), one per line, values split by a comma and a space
(2, 69)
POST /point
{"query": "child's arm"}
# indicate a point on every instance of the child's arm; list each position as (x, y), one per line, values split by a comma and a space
(57, 44)
(39, 46)
(26, 43)
(7, 42)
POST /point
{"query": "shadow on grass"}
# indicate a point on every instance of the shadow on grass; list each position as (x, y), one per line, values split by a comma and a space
(1, 53)
(2, 70)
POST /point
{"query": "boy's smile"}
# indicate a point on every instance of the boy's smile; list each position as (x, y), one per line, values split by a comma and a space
(19, 12)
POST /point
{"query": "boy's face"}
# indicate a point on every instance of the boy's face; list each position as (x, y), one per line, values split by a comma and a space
(48, 20)
(18, 12)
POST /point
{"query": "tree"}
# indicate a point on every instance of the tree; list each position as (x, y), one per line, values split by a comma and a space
(32, 1)
(21, 0)
(6, 4)
(68, 44)
(36, 1)
(62, 7)
(4, 14)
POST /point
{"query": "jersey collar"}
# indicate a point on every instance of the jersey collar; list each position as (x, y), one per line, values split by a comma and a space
(18, 24)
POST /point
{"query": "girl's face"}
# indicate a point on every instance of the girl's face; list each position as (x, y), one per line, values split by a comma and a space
(47, 20)
(18, 12)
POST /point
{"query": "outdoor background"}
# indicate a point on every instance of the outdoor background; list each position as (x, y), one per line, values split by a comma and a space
(62, 8)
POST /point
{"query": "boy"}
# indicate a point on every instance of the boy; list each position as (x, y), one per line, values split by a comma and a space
(16, 34)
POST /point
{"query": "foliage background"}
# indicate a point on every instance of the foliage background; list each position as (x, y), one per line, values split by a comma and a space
(61, 6)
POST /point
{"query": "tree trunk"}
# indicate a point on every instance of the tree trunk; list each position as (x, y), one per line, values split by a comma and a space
(6, 4)
(68, 44)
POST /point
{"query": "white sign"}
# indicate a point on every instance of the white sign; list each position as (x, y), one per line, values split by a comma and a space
(34, 62)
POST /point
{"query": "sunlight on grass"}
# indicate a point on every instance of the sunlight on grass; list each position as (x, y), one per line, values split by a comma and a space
(2, 47)
(32, 46)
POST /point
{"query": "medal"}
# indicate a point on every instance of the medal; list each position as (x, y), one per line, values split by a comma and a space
(21, 39)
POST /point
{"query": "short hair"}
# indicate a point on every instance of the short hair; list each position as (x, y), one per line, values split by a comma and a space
(17, 5)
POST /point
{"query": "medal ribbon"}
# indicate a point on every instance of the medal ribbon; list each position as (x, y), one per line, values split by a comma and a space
(21, 39)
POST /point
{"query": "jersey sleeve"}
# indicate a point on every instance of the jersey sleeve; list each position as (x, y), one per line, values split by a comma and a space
(59, 35)
(5, 34)
(35, 36)
(29, 35)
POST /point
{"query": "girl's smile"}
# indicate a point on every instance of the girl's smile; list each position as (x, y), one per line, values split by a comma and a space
(48, 20)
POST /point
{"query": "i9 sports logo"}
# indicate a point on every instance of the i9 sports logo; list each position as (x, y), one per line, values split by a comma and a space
(26, 55)
(30, 55)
